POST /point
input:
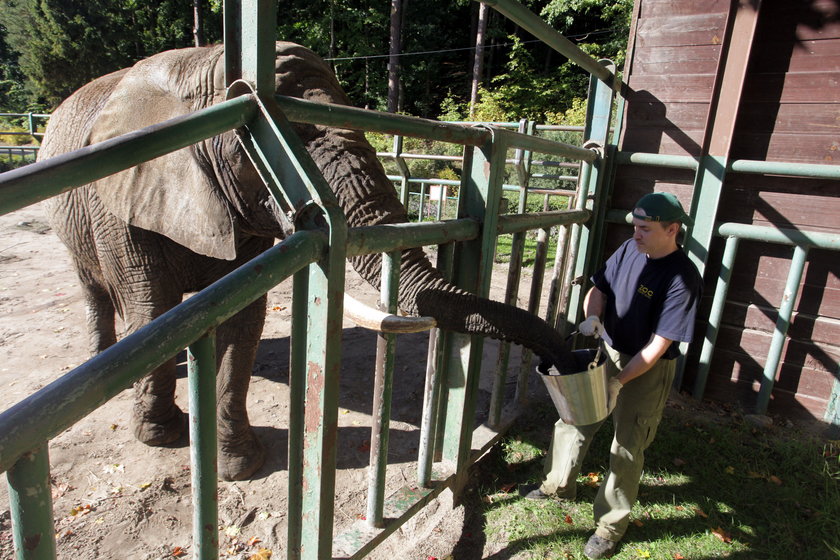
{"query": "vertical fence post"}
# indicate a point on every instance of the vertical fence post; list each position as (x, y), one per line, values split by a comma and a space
(797, 265)
(591, 183)
(30, 500)
(715, 314)
(297, 398)
(201, 374)
(382, 387)
(481, 190)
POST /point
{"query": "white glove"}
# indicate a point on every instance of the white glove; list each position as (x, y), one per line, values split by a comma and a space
(591, 327)
(613, 388)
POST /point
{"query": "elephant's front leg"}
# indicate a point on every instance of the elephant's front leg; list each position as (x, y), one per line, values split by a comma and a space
(156, 418)
(240, 452)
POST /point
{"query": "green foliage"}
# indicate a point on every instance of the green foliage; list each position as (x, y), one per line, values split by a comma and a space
(62, 45)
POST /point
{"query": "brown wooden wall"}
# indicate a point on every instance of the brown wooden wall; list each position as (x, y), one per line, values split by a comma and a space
(789, 112)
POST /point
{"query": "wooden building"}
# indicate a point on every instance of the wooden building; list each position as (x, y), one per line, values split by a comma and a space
(725, 84)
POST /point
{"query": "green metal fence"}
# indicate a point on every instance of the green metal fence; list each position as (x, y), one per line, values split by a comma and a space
(315, 258)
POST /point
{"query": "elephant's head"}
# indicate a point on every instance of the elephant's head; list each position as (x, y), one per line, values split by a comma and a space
(208, 196)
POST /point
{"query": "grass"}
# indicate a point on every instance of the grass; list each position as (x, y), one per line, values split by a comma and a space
(713, 487)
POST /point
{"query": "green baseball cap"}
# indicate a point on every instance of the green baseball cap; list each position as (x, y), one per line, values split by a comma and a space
(661, 207)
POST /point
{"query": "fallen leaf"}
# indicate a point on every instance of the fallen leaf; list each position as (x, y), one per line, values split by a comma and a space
(80, 510)
(642, 553)
(775, 480)
(701, 513)
(722, 535)
(568, 519)
(506, 488)
(638, 523)
(232, 531)
(678, 556)
(254, 540)
(592, 479)
(729, 470)
(679, 508)
(177, 552)
(278, 308)
(113, 427)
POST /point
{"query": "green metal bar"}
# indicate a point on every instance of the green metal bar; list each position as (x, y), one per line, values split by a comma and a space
(297, 399)
(657, 160)
(715, 315)
(383, 383)
(797, 265)
(521, 159)
(532, 23)
(811, 170)
(343, 116)
(201, 375)
(384, 238)
(540, 220)
(585, 237)
(439, 344)
(30, 502)
(784, 236)
(258, 22)
(65, 401)
(483, 173)
(41, 180)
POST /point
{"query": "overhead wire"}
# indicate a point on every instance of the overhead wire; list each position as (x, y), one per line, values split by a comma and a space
(418, 53)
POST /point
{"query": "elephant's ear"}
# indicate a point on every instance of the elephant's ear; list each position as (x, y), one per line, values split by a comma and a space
(174, 195)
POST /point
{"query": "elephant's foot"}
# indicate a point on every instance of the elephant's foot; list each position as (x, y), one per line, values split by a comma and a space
(241, 459)
(162, 430)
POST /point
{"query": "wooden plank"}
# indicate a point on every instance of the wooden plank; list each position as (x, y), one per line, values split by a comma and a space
(806, 87)
(701, 29)
(666, 8)
(650, 113)
(678, 88)
(789, 118)
(821, 333)
(802, 56)
(669, 142)
(759, 201)
(804, 148)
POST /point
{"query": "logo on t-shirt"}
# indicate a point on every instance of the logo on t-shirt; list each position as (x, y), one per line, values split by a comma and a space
(645, 291)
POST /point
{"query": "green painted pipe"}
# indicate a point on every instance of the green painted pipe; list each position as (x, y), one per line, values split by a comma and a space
(383, 238)
(511, 223)
(30, 502)
(41, 180)
(532, 23)
(774, 354)
(715, 315)
(783, 236)
(201, 377)
(343, 116)
(658, 160)
(812, 170)
(65, 401)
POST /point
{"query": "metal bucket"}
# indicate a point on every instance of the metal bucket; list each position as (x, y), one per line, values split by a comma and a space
(580, 398)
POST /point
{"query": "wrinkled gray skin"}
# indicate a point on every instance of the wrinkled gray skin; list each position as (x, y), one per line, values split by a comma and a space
(142, 238)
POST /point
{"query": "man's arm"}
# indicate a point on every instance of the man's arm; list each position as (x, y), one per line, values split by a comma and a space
(594, 303)
(644, 359)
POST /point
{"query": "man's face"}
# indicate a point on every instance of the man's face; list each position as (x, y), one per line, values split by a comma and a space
(653, 239)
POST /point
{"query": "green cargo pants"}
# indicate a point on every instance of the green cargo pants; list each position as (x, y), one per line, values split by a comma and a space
(635, 419)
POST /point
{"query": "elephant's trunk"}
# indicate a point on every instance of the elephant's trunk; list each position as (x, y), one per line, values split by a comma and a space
(367, 196)
(424, 292)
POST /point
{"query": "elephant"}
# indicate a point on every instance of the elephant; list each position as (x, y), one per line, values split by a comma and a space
(142, 238)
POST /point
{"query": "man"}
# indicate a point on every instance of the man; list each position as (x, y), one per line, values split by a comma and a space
(646, 294)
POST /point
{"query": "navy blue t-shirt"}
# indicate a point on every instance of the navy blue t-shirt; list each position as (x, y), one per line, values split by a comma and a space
(648, 296)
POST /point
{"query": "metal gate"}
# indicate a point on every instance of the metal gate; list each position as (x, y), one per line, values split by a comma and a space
(315, 257)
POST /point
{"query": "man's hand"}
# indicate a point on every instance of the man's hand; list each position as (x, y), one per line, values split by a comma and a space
(613, 388)
(591, 327)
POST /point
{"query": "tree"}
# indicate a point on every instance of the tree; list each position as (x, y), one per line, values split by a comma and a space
(394, 55)
(63, 44)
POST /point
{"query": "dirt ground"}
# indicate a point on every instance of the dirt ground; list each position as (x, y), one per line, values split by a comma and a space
(116, 498)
